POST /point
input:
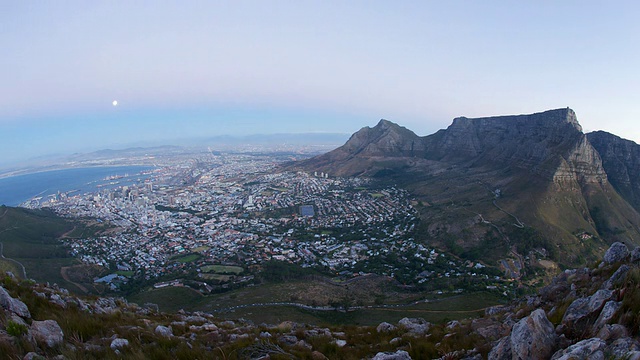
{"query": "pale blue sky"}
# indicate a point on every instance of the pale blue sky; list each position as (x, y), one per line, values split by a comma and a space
(206, 68)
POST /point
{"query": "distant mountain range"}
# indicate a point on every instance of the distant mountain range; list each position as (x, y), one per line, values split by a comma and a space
(506, 186)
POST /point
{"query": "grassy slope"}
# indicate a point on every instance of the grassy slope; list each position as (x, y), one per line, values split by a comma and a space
(31, 238)
(437, 310)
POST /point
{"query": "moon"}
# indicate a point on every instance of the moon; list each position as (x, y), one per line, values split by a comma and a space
(115, 103)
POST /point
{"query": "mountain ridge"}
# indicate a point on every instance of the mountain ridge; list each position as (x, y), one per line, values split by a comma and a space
(540, 168)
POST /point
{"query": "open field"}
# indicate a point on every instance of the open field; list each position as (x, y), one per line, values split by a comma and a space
(222, 269)
(186, 258)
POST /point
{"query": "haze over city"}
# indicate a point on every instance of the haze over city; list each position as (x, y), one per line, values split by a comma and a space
(81, 76)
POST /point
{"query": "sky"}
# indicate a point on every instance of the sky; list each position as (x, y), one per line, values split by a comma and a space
(181, 69)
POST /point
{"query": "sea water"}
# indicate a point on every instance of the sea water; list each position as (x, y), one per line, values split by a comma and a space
(17, 189)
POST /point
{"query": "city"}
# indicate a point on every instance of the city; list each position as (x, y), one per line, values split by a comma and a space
(218, 218)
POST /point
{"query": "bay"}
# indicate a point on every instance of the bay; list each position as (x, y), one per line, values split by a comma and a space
(16, 190)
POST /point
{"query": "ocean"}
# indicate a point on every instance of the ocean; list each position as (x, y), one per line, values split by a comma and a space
(17, 189)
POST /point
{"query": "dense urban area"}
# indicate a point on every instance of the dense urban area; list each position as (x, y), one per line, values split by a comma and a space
(218, 220)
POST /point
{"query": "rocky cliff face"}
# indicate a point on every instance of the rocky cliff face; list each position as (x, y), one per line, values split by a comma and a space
(621, 161)
(550, 144)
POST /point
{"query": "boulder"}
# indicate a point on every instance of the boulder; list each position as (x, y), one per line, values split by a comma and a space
(398, 355)
(13, 305)
(617, 252)
(617, 277)
(583, 310)
(119, 343)
(385, 327)
(621, 348)
(635, 254)
(47, 332)
(490, 329)
(288, 340)
(164, 331)
(607, 314)
(533, 337)
(586, 349)
(612, 332)
(502, 350)
(415, 326)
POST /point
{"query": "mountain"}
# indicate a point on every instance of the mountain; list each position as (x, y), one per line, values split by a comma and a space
(502, 188)
(621, 161)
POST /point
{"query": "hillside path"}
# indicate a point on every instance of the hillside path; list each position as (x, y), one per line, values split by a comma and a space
(24, 271)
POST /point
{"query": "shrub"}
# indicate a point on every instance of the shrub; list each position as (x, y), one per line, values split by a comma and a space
(16, 329)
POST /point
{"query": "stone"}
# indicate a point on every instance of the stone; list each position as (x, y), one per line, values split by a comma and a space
(612, 332)
(398, 355)
(621, 347)
(341, 343)
(13, 305)
(502, 350)
(635, 254)
(453, 324)
(533, 337)
(164, 331)
(228, 324)
(288, 340)
(385, 327)
(607, 314)
(209, 327)
(57, 299)
(489, 328)
(415, 326)
(617, 252)
(582, 310)
(47, 332)
(586, 349)
(617, 277)
(119, 343)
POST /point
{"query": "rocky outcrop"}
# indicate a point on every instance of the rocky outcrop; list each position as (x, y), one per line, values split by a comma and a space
(583, 311)
(621, 161)
(549, 143)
